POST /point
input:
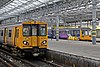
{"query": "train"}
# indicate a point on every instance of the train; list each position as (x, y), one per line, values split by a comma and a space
(77, 33)
(80, 33)
(29, 37)
(62, 33)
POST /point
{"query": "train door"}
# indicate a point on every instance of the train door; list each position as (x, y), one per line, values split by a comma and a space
(16, 36)
(5, 35)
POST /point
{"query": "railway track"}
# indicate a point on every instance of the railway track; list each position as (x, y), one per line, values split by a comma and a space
(6, 63)
(13, 61)
(50, 62)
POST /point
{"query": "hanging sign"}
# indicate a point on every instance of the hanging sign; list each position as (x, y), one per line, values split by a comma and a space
(93, 33)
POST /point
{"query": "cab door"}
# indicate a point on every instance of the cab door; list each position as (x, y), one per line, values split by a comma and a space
(5, 36)
(16, 37)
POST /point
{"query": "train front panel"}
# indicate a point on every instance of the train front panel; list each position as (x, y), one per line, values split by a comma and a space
(42, 36)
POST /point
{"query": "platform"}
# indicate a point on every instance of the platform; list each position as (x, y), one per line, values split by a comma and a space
(80, 48)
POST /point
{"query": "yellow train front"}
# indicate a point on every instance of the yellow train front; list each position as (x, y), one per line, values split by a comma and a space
(26, 37)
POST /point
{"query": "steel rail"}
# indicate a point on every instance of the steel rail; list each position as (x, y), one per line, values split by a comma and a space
(7, 62)
(18, 60)
(50, 63)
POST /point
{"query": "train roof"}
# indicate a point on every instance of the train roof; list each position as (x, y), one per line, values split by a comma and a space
(78, 28)
(20, 23)
(65, 29)
(10, 25)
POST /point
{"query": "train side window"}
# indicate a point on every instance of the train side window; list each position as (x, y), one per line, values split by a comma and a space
(1, 32)
(10, 33)
(17, 33)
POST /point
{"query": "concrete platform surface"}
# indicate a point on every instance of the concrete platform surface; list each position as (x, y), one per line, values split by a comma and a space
(80, 48)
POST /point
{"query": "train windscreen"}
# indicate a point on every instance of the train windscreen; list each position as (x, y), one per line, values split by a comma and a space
(86, 32)
(26, 30)
(42, 30)
(34, 30)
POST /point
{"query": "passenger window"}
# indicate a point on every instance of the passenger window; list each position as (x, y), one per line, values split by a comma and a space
(9, 33)
(1, 32)
(17, 33)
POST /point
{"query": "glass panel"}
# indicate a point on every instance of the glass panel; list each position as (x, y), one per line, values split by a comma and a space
(14, 4)
(34, 29)
(1, 32)
(10, 33)
(83, 32)
(44, 1)
(56, 0)
(24, 1)
(17, 2)
(17, 33)
(42, 30)
(37, 3)
(26, 30)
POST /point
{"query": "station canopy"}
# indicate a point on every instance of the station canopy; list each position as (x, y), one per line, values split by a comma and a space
(69, 9)
(20, 6)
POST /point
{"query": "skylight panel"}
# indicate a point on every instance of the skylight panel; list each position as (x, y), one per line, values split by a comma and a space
(17, 2)
(81, 7)
(42, 5)
(31, 5)
(43, 1)
(50, 2)
(56, 0)
(13, 4)
(36, 3)
(9, 7)
(22, 8)
(89, 6)
(24, 1)
(2, 10)
(26, 7)
(98, 4)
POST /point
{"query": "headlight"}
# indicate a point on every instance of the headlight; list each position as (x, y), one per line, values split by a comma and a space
(25, 42)
(44, 42)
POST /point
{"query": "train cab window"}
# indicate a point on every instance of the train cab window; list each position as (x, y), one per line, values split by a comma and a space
(1, 32)
(17, 33)
(42, 30)
(34, 30)
(26, 30)
(10, 33)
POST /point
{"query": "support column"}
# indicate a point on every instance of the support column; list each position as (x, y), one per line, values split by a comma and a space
(57, 28)
(87, 24)
(94, 22)
(75, 24)
(80, 20)
(17, 20)
(80, 23)
(51, 23)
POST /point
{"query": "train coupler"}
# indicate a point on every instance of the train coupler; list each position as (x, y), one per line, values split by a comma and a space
(36, 54)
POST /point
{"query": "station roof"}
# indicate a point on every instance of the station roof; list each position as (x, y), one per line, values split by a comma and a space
(4, 2)
(20, 6)
(46, 9)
